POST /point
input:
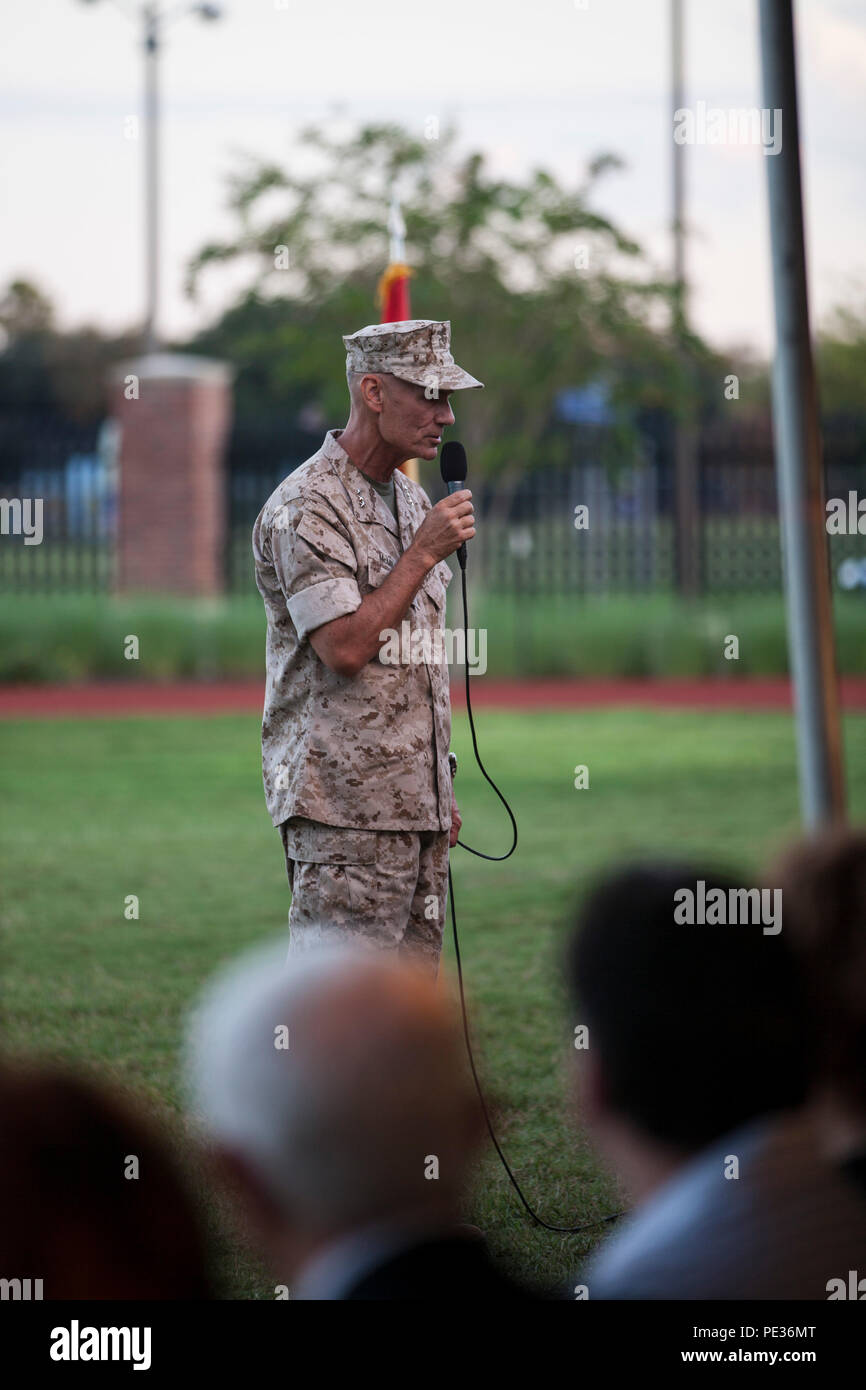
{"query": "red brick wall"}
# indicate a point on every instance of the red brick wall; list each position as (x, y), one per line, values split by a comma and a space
(171, 511)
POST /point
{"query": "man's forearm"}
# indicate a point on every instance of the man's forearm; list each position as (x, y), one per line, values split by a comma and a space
(349, 643)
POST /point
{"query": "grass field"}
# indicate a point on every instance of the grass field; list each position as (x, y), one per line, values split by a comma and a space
(172, 810)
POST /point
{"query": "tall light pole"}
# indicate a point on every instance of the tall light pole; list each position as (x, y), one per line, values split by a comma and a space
(687, 510)
(152, 20)
(150, 17)
(678, 171)
(799, 464)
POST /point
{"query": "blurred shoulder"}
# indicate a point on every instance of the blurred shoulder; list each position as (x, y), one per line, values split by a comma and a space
(314, 487)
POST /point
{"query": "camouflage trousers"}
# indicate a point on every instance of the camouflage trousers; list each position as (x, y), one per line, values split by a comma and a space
(385, 889)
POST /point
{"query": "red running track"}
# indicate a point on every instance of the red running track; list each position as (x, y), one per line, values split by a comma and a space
(119, 699)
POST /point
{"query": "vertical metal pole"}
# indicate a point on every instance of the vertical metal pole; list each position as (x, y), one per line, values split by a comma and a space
(151, 174)
(799, 467)
(687, 515)
(677, 94)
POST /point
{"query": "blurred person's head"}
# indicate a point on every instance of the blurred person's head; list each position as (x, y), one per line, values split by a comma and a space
(400, 419)
(91, 1201)
(823, 882)
(693, 1029)
(332, 1090)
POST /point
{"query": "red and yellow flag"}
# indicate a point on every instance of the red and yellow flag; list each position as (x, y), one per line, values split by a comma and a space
(393, 293)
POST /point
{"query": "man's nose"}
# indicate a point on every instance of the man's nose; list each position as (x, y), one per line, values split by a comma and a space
(444, 415)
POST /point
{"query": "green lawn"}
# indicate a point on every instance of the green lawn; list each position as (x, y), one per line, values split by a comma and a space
(172, 810)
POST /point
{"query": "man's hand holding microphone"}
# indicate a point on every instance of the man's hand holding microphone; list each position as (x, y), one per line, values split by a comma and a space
(447, 526)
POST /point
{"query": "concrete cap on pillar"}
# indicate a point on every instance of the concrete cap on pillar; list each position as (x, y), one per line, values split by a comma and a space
(173, 366)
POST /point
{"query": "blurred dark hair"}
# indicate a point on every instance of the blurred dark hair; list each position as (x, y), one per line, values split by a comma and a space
(823, 882)
(68, 1213)
(697, 1029)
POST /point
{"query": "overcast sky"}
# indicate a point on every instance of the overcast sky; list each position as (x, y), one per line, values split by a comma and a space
(550, 82)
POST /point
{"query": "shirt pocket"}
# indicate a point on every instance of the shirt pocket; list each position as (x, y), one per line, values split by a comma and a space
(434, 587)
(313, 843)
(379, 566)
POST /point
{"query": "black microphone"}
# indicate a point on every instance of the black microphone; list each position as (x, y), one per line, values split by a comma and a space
(453, 467)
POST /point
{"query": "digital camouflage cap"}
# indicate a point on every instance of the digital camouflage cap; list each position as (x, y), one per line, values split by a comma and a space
(417, 350)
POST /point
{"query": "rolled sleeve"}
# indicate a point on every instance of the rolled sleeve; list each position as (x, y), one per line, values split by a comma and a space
(315, 565)
(321, 603)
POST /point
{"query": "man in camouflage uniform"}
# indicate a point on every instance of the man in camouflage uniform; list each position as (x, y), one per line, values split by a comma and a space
(355, 756)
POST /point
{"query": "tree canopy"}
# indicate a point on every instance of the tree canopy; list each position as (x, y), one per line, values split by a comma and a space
(543, 292)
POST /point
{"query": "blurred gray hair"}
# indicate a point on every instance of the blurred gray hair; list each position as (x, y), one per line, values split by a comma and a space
(340, 1125)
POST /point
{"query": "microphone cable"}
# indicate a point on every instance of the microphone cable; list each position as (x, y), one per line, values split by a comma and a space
(548, 1226)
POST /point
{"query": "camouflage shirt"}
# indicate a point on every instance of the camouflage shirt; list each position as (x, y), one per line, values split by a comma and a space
(368, 751)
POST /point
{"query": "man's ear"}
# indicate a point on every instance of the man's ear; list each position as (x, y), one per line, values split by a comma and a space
(373, 392)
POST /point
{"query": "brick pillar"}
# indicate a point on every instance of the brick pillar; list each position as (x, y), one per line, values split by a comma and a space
(174, 420)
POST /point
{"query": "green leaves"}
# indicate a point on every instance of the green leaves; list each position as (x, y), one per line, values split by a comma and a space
(532, 277)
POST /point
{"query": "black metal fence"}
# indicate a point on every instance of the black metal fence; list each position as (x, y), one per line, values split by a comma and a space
(532, 539)
(58, 495)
